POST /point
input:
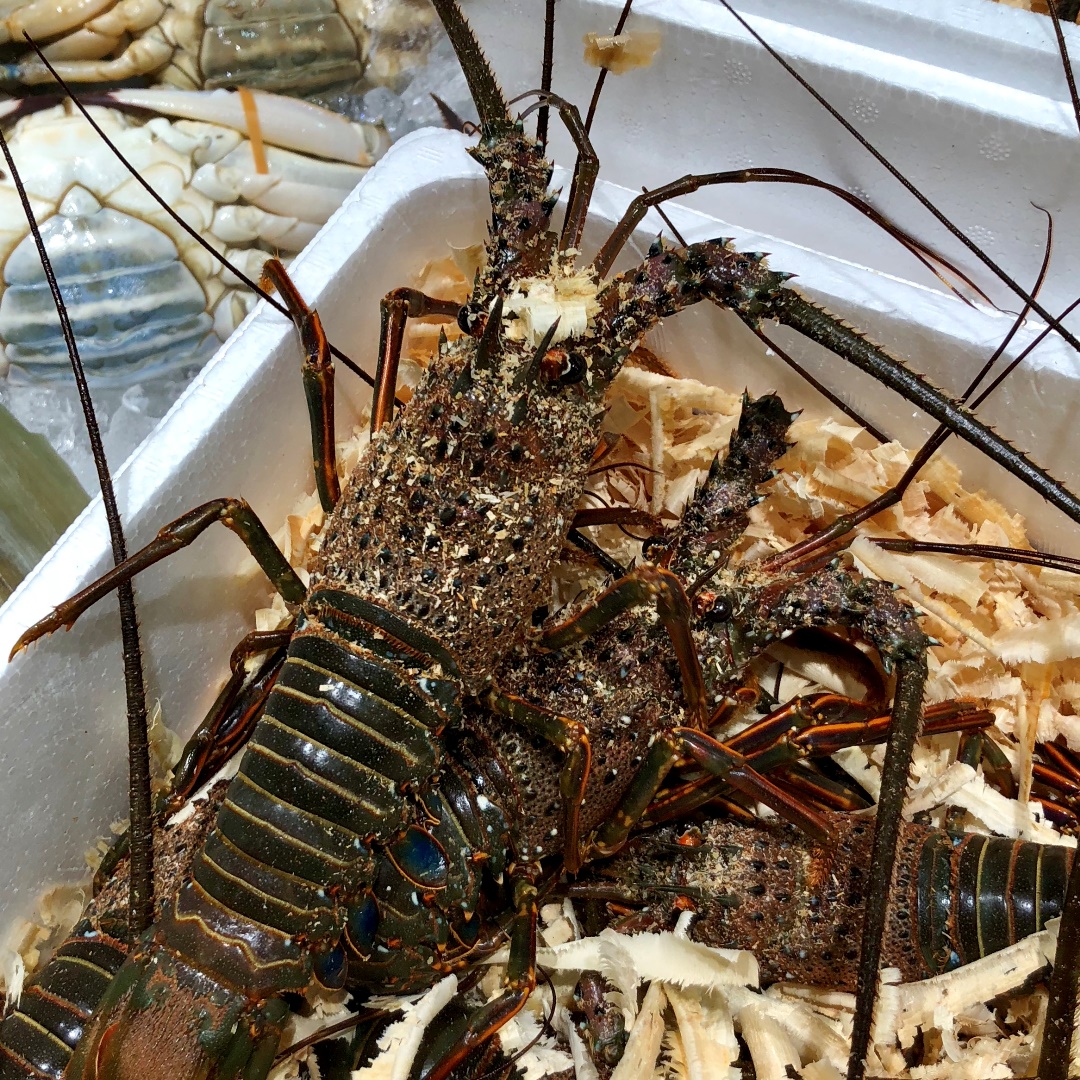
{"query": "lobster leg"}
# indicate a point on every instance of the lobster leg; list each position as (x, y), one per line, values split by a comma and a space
(318, 376)
(572, 738)
(718, 759)
(520, 983)
(394, 309)
(639, 587)
(809, 727)
(586, 168)
(234, 514)
(232, 717)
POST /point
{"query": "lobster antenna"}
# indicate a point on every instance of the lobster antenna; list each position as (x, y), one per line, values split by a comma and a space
(983, 551)
(200, 240)
(846, 522)
(486, 95)
(1066, 63)
(893, 171)
(636, 211)
(819, 386)
(545, 73)
(1055, 1054)
(141, 882)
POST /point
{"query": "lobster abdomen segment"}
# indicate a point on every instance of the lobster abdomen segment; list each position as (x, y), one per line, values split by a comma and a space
(976, 895)
(39, 1034)
(349, 729)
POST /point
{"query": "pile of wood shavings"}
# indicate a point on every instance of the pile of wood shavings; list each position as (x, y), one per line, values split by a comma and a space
(1009, 638)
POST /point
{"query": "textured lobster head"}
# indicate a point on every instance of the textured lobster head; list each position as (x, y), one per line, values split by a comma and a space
(163, 1020)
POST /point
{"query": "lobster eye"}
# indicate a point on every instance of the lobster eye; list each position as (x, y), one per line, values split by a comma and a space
(721, 610)
(654, 547)
(466, 318)
(573, 370)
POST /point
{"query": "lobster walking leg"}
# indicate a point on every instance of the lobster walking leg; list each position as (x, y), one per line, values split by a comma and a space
(572, 738)
(809, 727)
(318, 378)
(233, 715)
(520, 983)
(641, 586)
(654, 584)
(234, 514)
(394, 309)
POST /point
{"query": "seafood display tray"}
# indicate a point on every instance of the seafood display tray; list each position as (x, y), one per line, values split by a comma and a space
(241, 428)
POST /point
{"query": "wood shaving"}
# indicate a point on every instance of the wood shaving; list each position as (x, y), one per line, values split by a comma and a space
(621, 53)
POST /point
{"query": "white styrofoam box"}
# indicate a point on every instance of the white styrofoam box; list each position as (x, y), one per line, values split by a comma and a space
(241, 429)
(967, 98)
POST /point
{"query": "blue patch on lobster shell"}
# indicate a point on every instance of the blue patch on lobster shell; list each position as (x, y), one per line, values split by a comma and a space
(467, 931)
(363, 925)
(332, 968)
(420, 858)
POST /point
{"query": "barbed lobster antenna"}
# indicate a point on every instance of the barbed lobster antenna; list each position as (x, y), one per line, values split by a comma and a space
(1063, 51)
(486, 94)
(254, 286)
(141, 892)
(546, 72)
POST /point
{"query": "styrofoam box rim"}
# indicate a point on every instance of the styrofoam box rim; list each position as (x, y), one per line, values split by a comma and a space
(241, 430)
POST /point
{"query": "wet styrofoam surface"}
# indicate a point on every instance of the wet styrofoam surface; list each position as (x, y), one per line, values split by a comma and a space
(241, 428)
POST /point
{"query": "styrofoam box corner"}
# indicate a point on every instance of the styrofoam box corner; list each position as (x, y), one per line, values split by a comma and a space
(241, 428)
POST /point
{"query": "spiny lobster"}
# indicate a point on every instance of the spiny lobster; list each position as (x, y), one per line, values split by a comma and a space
(466, 421)
(388, 943)
(958, 896)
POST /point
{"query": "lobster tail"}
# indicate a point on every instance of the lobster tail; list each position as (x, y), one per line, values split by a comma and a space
(37, 1037)
(214, 1032)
